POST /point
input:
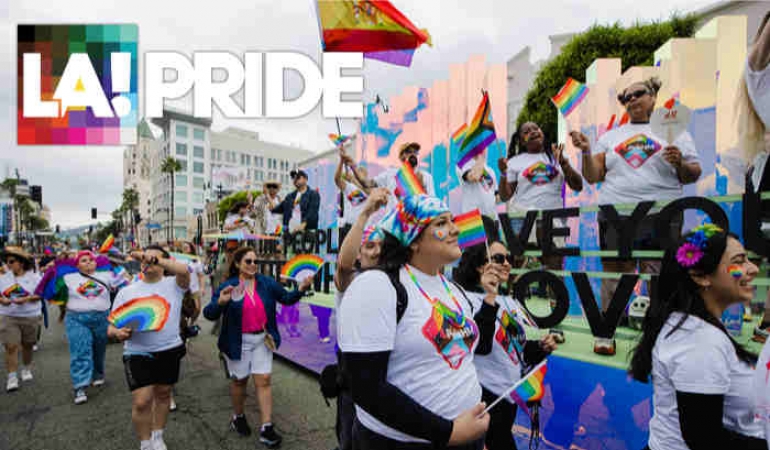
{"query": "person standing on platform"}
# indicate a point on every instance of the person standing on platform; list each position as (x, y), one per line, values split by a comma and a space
(300, 208)
(478, 185)
(702, 380)
(239, 218)
(408, 153)
(353, 188)
(635, 165)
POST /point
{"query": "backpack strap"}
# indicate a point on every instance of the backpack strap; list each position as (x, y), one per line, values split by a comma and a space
(402, 299)
(462, 291)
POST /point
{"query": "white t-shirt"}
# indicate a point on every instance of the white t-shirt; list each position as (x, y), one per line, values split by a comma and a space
(436, 372)
(636, 170)
(698, 358)
(761, 390)
(272, 220)
(354, 198)
(168, 336)
(480, 194)
(85, 294)
(12, 287)
(387, 179)
(501, 368)
(758, 83)
(538, 182)
(235, 220)
(296, 214)
(197, 269)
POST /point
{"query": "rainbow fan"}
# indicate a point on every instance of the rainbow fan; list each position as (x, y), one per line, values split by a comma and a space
(107, 244)
(141, 314)
(302, 266)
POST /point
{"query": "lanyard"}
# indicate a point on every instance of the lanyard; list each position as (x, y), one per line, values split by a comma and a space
(458, 315)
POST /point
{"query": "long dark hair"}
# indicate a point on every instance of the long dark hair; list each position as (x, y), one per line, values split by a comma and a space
(237, 257)
(466, 274)
(677, 292)
(393, 255)
(516, 147)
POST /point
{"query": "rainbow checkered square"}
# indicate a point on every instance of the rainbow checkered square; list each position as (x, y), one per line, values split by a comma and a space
(78, 125)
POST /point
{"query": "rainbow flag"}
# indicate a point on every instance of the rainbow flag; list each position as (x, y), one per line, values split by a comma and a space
(407, 183)
(471, 229)
(457, 138)
(107, 244)
(375, 28)
(570, 96)
(479, 134)
(339, 139)
(278, 229)
(530, 389)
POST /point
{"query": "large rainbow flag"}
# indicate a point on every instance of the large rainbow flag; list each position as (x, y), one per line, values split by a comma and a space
(478, 135)
(375, 28)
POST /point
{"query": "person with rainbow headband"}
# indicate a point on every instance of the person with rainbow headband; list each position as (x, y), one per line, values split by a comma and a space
(85, 286)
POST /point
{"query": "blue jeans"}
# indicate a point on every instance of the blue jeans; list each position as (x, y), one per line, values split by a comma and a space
(87, 337)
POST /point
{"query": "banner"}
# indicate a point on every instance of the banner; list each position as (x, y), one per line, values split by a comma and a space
(231, 178)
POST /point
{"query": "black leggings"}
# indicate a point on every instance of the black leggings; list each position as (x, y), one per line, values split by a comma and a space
(365, 439)
(500, 432)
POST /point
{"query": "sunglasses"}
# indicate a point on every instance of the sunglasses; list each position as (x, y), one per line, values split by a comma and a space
(499, 258)
(410, 152)
(249, 261)
(11, 261)
(632, 95)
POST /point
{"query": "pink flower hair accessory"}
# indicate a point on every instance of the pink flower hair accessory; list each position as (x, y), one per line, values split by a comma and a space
(688, 255)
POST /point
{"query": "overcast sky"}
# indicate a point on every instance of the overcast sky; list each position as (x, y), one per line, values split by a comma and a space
(76, 178)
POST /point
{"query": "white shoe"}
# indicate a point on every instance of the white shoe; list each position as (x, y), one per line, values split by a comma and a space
(80, 396)
(99, 382)
(158, 444)
(172, 405)
(13, 383)
(26, 375)
(35, 348)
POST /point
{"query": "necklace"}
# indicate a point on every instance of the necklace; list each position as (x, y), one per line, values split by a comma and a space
(456, 316)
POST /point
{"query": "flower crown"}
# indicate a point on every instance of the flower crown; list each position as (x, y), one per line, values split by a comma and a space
(691, 252)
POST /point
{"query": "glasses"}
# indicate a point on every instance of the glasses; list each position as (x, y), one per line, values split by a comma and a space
(499, 258)
(249, 261)
(11, 261)
(410, 152)
(632, 95)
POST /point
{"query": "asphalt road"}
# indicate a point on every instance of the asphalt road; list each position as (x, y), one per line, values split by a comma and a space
(42, 416)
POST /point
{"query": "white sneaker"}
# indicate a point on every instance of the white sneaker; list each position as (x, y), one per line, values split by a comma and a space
(26, 375)
(172, 405)
(99, 382)
(13, 382)
(80, 396)
(158, 444)
(35, 348)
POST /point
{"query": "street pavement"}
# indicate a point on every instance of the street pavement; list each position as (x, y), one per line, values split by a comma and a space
(42, 416)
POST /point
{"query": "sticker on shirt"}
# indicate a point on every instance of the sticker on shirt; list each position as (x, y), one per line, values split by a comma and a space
(450, 333)
(540, 173)
(511, 336)
(90, 289)
(486, 181)
(637, 149)
(356, 197)
(15, 291)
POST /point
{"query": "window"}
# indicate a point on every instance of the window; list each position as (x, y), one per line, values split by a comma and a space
(247, 158)
(181, 180)
(259, 175)
(180, 232)
(198, 182)
(183, 163)
(198, 134)
(181, 197)
(213, 154)
(197, 197)
(198, 151)
(181, 130)
(180, 212)
(270, 162)
(181, 149)
(197, 167)
(259, 161)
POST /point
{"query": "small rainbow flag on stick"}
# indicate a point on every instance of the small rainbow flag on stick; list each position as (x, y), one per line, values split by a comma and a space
(478, 135)
(339, 139)
(528, 389)
(570, 96)
(107, 245)
(141, 314)
(471, 229)
(278, 229)
(407, 183)
(301, 267)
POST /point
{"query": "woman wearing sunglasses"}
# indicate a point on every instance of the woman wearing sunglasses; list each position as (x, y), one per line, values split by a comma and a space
(248, 336)
(635, 165)
(410, 367)
(504, 354)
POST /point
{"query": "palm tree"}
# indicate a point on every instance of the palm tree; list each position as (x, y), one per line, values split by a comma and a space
(170, 165)
(130, 204)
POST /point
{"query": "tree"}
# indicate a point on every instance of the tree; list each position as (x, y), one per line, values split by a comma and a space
(635, 46)
(226, 203)
(170, 166)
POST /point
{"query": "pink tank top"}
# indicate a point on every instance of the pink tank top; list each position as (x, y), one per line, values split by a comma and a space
(254, 317)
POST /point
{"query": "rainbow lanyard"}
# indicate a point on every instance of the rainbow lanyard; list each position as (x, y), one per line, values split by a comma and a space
(457, 316)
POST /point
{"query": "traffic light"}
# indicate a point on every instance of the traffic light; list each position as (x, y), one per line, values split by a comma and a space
(93, 213)
(36, 194)
(58, 229)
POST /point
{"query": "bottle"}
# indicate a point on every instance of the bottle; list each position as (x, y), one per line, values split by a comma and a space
(732, 318)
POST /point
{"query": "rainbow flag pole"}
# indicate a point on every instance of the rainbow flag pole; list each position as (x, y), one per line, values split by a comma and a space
(532, 384)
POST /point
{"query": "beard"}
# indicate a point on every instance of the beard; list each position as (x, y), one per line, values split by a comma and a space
(413, 161)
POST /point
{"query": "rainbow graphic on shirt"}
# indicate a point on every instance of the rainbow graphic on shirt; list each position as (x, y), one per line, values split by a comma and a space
(90, 289)
(451, 333)
(141, 314)
(540, 173)
(637, 149)
(15, 291)
(356, 197)
(511, 336)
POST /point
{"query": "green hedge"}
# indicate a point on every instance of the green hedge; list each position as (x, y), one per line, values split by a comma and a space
(232, 199)
(635, 46)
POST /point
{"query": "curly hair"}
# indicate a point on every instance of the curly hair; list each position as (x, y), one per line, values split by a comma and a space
(652, 84)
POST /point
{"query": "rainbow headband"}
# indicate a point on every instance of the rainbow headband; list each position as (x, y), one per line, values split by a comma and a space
(372, 234)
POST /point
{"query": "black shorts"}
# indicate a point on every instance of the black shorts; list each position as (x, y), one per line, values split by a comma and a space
(153, 368)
